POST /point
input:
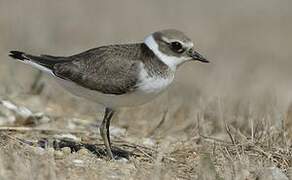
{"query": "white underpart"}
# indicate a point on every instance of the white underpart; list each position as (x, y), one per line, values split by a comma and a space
(143, 94)
(170, 61)
(153, 84)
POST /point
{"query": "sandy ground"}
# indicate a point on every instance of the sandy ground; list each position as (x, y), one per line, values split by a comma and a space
(35, 145)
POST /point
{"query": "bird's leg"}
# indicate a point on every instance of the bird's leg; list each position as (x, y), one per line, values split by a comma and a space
(104, 131)
(108, 122)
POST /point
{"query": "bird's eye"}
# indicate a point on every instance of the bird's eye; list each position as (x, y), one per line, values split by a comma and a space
(177, 47)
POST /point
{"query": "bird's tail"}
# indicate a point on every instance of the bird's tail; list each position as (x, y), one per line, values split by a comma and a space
(44, 62)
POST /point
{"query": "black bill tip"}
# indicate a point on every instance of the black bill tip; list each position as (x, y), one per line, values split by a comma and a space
(198, 57)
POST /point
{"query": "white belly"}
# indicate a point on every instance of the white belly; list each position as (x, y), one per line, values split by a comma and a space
(146, 91)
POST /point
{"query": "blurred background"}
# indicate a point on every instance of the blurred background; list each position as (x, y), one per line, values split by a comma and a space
(248, 43)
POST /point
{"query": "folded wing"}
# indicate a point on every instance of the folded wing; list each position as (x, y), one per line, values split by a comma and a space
(100, 70)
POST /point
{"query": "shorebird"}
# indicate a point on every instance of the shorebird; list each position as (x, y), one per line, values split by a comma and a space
(119, 75)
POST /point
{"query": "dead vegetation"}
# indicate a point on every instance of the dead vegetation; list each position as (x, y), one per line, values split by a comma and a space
(76, 153)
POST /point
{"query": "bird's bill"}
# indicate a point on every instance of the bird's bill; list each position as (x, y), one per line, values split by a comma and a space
(198, 57)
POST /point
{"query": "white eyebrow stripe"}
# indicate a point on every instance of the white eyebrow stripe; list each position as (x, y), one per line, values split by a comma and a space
(165, 39)
(187, 44)
(176, 40)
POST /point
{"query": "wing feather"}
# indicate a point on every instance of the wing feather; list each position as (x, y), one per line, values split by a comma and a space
(102, 70)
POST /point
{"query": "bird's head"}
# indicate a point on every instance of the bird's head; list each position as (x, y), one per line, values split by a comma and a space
(173, 47)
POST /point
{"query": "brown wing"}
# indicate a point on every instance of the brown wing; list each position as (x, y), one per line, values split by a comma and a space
(106, 69)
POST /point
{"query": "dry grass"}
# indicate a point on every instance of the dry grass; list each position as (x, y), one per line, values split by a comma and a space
(238, 153)
(225, 120)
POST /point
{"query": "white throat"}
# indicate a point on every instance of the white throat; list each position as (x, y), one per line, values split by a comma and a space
(170, 61)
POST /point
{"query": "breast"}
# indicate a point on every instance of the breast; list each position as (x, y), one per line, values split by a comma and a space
(154, 83)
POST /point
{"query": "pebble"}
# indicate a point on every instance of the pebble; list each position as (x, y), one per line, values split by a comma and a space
(123, 160)
(148, 142)
(59, 154)
(51, 150)
(39, 150)
(68, 136)
(78, 162)
(117, 132)
(83, 151)
(66, 150)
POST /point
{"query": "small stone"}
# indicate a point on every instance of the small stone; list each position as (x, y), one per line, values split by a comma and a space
(271, 173)
(39, 150)
(83, 151)
(68, 137)
(71, 125)
(66, 150)
(24, 112)
(59, 154)
(51, 150)
(117, 132)
(123, 160)
(148, 142)
(78, 162)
